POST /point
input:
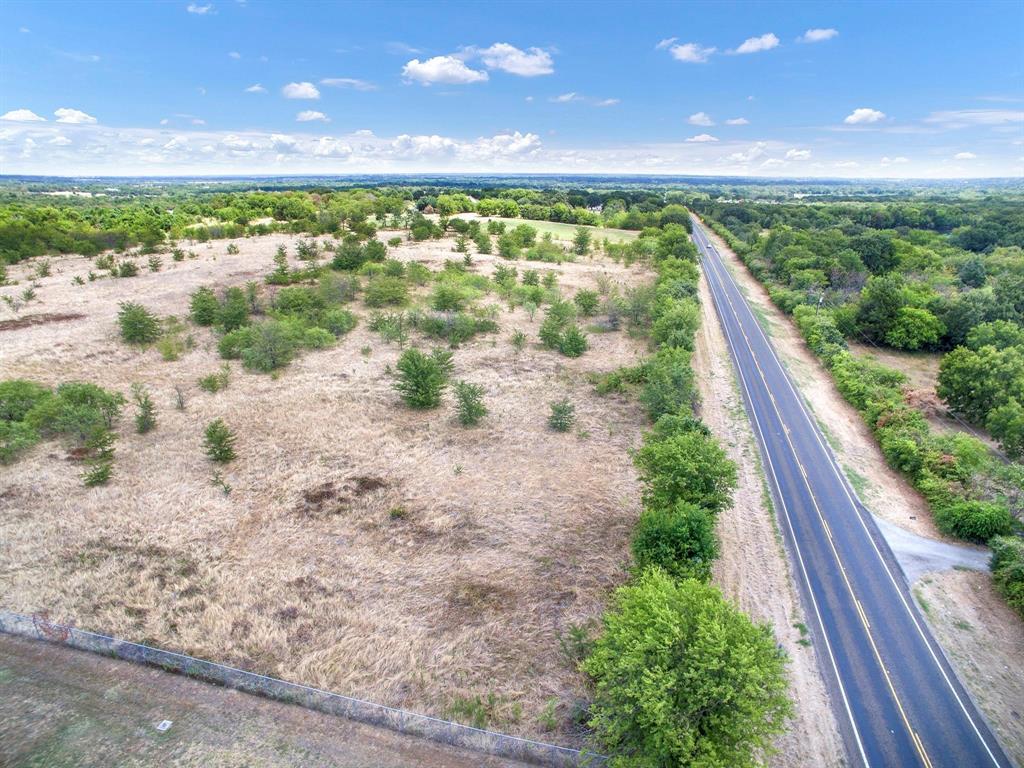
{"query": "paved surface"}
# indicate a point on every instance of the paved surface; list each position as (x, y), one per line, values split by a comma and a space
(61, 708)
(899, 702)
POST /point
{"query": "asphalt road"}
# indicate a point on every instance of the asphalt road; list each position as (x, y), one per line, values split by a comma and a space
(898, 701)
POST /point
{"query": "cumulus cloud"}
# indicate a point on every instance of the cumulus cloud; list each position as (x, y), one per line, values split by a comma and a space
(59, 141)
(964, 156)
(348, 82)
(894, 160)
(798, 154)
(22, 116)
(301, 90)
(772, 162)
(692, 53)
(256, 88)
(663, 44)
(442, 69)
(199, 10)
(817, 35)
(507, 58)
(327, 146)
(846, 164)
(701, 138)
(863, 115)
(737, 121)
(311, 115)
(66, 115)
(757, 44)
(753, 152)
(700, 118)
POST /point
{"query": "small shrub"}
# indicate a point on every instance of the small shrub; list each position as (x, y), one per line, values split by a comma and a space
(145, 411)
(232, 249)
(449, 298)
(422, 378)
(573, 342)
(271, 345)
(138, 324)
(219, 442)
(338, 321)
(215, 382)
(518, 341)
(394, 242)
(18, 397)
(127, 269)
(586, 302)
(383, 291)
(15, 437)
(469, 403)
(155, 263)
(203, 307)
(562, 416)
(975, 521)
(233, 312)
(101, 464)
(1008, 569)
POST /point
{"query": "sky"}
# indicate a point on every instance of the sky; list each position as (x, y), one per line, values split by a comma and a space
(234, 87)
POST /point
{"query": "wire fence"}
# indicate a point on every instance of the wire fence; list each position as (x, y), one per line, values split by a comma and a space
(412, 723)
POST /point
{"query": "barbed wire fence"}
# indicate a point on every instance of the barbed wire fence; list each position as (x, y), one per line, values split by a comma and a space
(39, 627)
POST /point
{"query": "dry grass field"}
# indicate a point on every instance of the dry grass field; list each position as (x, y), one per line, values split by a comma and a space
(364, 547)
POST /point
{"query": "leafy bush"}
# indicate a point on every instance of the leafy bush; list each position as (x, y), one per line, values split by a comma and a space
(677, 324)
(271, 345)
(383, 290)
(338, 321)
(1008, 569)
(127, 269)
(669, 386)
(974, 520)
(469, 403)
(15, 437)
(573, 342)
(78, 411)
(219, 442)
(682, 677)
(562, 416)
(234, 310)
(18, 397)
(203, 307)
(685, 466)
(680, 540)
(422, 378)
(586, 302)
(447, 297)
(138, 325)
(215, 382)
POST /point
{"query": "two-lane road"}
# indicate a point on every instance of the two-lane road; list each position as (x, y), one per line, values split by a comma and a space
(898, 701)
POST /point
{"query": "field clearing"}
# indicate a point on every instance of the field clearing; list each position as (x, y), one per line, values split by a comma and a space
(508, 536)
(561, 231)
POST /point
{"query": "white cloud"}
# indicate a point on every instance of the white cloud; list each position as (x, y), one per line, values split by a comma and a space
(692, 53)
(301, 90)
(199, 10)
(176, 142)
(256, 88)
(701, 138)
(963, 118)
(894, 160)
(328, 146)
(401, 48)
(757, 44)
(700, 118)
(23, 116)
(753, 152)
(66, 115)
(198, 121)
(284, 144)
(565, 98)
(817, 35)
(24, 30)
(235, 55)
(846, 164)
(507, 58)
(663, 44)
(607, 102)
(798, 154)
(772, 162)
(82, 58)
(348, 82)
(164, 121)
(311, 115)
(965, 156)
(59, 141)
(737, 121)
(863, 115)
(442, 69)
(528, 99)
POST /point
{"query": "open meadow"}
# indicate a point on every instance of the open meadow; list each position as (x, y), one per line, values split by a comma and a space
(354, 544)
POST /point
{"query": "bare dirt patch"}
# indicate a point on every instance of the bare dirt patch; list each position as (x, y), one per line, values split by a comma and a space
(985, 641)
(40, 319)
(753, 569)
(364, 548)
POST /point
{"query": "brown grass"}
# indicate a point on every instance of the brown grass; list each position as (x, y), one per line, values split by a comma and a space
(506, 534)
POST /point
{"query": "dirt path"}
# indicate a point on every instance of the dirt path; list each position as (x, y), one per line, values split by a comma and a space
(983, 638)
(63, 708)
(753, 569)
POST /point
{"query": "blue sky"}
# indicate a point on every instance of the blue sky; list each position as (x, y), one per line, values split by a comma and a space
(775, 89)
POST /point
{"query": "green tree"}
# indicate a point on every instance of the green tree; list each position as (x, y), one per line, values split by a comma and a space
(138, 325)
(219, 442)
(914, 328)
(686, 466)
(469, 403)
(581, 241)
(203, 307)
(683, 678)
(422, 378)
(680, 540)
